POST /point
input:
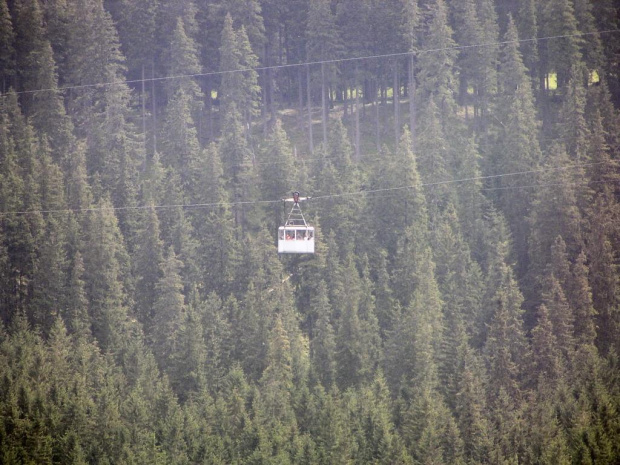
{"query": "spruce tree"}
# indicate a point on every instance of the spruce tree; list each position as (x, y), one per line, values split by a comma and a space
(181, 59)
(517, 148)
(436, 69)
(323, 344)
(105, 262)
(7, 36)
(168, 313)
(147, 264)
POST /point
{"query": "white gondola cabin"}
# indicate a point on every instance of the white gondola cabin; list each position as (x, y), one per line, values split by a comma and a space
(296, 236)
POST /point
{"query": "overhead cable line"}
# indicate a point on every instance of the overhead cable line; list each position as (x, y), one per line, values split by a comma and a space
(318, 62)
(320, 197)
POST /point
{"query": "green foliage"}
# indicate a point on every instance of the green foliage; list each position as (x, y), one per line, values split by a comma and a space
(462, 305)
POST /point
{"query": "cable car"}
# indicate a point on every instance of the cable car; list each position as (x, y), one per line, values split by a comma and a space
(296, 236)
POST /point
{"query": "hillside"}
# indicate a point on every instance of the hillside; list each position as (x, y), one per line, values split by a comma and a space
(463, 303)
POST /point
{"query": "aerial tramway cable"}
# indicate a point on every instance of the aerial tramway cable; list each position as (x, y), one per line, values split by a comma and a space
(309, 63)
(322, 197)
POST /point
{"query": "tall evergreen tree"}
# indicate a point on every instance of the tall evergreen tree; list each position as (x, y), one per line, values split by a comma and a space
(7, 57)
(323, 343)
(168, 313)
(147, 263)
(517, 136)
(436, 69)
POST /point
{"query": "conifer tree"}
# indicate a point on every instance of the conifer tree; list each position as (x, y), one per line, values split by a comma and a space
(581, 300)
(517, 136)
(557, 18)
(560, 315)
(573, 126)
(505, 347)
(217, 248)
(168, 313)
(136, 23)
(470, 407)
(237, 160)
(546, 357)
(76, 312)
(7, 36)
(393, 215)
(277, 171)
(190, 357)
(238, 87)
(592, 48)
(147, 263)
(527, 24)
(105, 262)
(49, 278)
(277, 379)
(217, 336)
(323, 44)
(323, 344)
(436, 70)
(554, 212)
(48, 112)
(180, 145)
(181, 59)
(603, 277)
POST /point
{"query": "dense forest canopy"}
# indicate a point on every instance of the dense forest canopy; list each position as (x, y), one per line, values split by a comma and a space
(463, 303)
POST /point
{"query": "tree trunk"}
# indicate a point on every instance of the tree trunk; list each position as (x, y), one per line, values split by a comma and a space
(300, 91)
(310, 138)
(412, 119)
(396, 98)
(324, 106)
(143, 111)
(154, 108)
(209, 109)
(377, 125)
(357, 119)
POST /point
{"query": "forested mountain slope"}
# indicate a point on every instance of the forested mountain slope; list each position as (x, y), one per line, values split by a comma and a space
(463, 303)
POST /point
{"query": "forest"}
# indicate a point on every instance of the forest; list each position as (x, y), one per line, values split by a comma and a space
(462, 305)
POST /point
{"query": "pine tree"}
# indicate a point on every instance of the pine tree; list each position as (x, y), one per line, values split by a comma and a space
(277, 170)
(180, 145)
(470, 408)
(181, 59)
(323, 344)
(546, 356)
(237, 161)
(554, 212)
(238, 87)
(217, 248)
(592, 48)
(581, 300)
(436, 70)
(148, 266)
(190, 357)
(76, 312)
(48, 112)
(168, 313)
(394, 215)
(603, 277)
(557, 18)
(105, 262)
(527, 25)
(49, 278)
(573, 126)
(7, 36)
(505, 347)
(560, 315)
(323, 44)
(277, 380)
(517, 136)
(136, 22)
